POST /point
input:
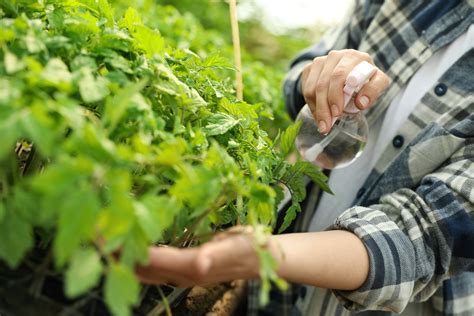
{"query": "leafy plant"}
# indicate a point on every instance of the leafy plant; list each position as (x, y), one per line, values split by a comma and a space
(114, 139)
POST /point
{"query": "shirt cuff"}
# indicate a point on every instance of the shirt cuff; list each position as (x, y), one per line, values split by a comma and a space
(389, 285)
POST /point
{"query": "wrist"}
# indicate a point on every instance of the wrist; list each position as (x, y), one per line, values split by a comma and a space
(276, 250)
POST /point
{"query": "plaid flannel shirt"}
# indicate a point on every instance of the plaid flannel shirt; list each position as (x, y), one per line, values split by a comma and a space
(415, 212)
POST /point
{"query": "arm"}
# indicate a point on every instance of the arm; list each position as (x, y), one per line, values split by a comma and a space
(333, 259)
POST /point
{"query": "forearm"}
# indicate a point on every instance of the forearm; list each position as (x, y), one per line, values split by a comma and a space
(332, 259)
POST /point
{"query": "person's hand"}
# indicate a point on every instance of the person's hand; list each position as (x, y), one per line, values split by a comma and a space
(322, 83)
(227, 257)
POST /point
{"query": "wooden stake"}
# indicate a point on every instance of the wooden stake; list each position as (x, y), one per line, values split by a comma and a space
(236, 43)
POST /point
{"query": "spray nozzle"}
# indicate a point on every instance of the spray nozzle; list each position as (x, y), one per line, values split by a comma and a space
(355, 81)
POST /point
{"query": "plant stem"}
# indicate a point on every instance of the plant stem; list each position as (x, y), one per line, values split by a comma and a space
(219, 203)
(165, 302)
(236, 43)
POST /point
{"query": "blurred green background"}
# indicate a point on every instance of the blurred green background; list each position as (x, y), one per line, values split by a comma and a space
(204, 27)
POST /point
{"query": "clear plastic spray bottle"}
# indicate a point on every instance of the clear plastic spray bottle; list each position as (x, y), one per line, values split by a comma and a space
(348, 136)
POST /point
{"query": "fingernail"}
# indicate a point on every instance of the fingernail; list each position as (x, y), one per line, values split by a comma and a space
(364, 101)
(334, 110)
(322, 126)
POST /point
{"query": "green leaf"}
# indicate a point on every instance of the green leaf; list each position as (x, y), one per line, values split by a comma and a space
(197, 187)
(33, 43)
(121, 290)
(92, 89)
(149, 40)
(107, 11)
(12, 63)
(83, 273)
(135, 248)
(117, 218)
(116, 107)
(77, 216)
(314, 173)
(56, 73)
(297, 186)
(219, 123)
(289, 216)
(288, 138)
(40, 128)
(2, 211)
(240, 109)
(16, 238)
(155, 214)
(130, 19)
(10, 134)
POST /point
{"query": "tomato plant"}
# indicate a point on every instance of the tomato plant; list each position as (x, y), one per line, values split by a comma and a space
(114, 139)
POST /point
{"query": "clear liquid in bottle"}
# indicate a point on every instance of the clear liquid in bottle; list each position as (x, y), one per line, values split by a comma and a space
(340, 147)
(348, 136)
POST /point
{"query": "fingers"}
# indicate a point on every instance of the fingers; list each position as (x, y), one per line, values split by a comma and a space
(323, 81)
(309, 79)
(323, 114)
(337, 80)
(372, 90)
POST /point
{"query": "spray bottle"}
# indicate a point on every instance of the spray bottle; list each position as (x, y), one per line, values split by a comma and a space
(348, 136)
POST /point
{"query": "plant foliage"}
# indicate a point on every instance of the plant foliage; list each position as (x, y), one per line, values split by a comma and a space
(113, 139)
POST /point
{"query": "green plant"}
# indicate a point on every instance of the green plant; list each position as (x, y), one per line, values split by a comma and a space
(114, 140)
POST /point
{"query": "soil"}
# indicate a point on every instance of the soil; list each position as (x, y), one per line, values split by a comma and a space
(220, 300)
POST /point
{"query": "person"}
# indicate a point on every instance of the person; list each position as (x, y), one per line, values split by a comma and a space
(398, 235)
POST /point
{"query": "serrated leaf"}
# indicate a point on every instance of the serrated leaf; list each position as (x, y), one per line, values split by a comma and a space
(10, 134)
(240, 109)
(290, 216)
(12, 63)
(288, 138)
(56, 72)
(297, 186)
(77, 216)
(130, 19)
(33, 44)
(92, 89)
(82, 61)
(15, 238)
(197, 187)
(219, 123)
(217, 61)
(116, 107)
(83, 273)
(135, 248)
(121, 290)
(155, 214)
(117, 218)
(315, 174)
(39, 127)
(107, 11)
(149, 40)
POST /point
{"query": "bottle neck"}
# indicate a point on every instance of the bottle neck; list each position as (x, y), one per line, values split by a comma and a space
(351, 108)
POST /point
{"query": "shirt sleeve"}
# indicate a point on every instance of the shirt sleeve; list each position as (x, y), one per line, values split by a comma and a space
(416, 238)
(347, 35)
